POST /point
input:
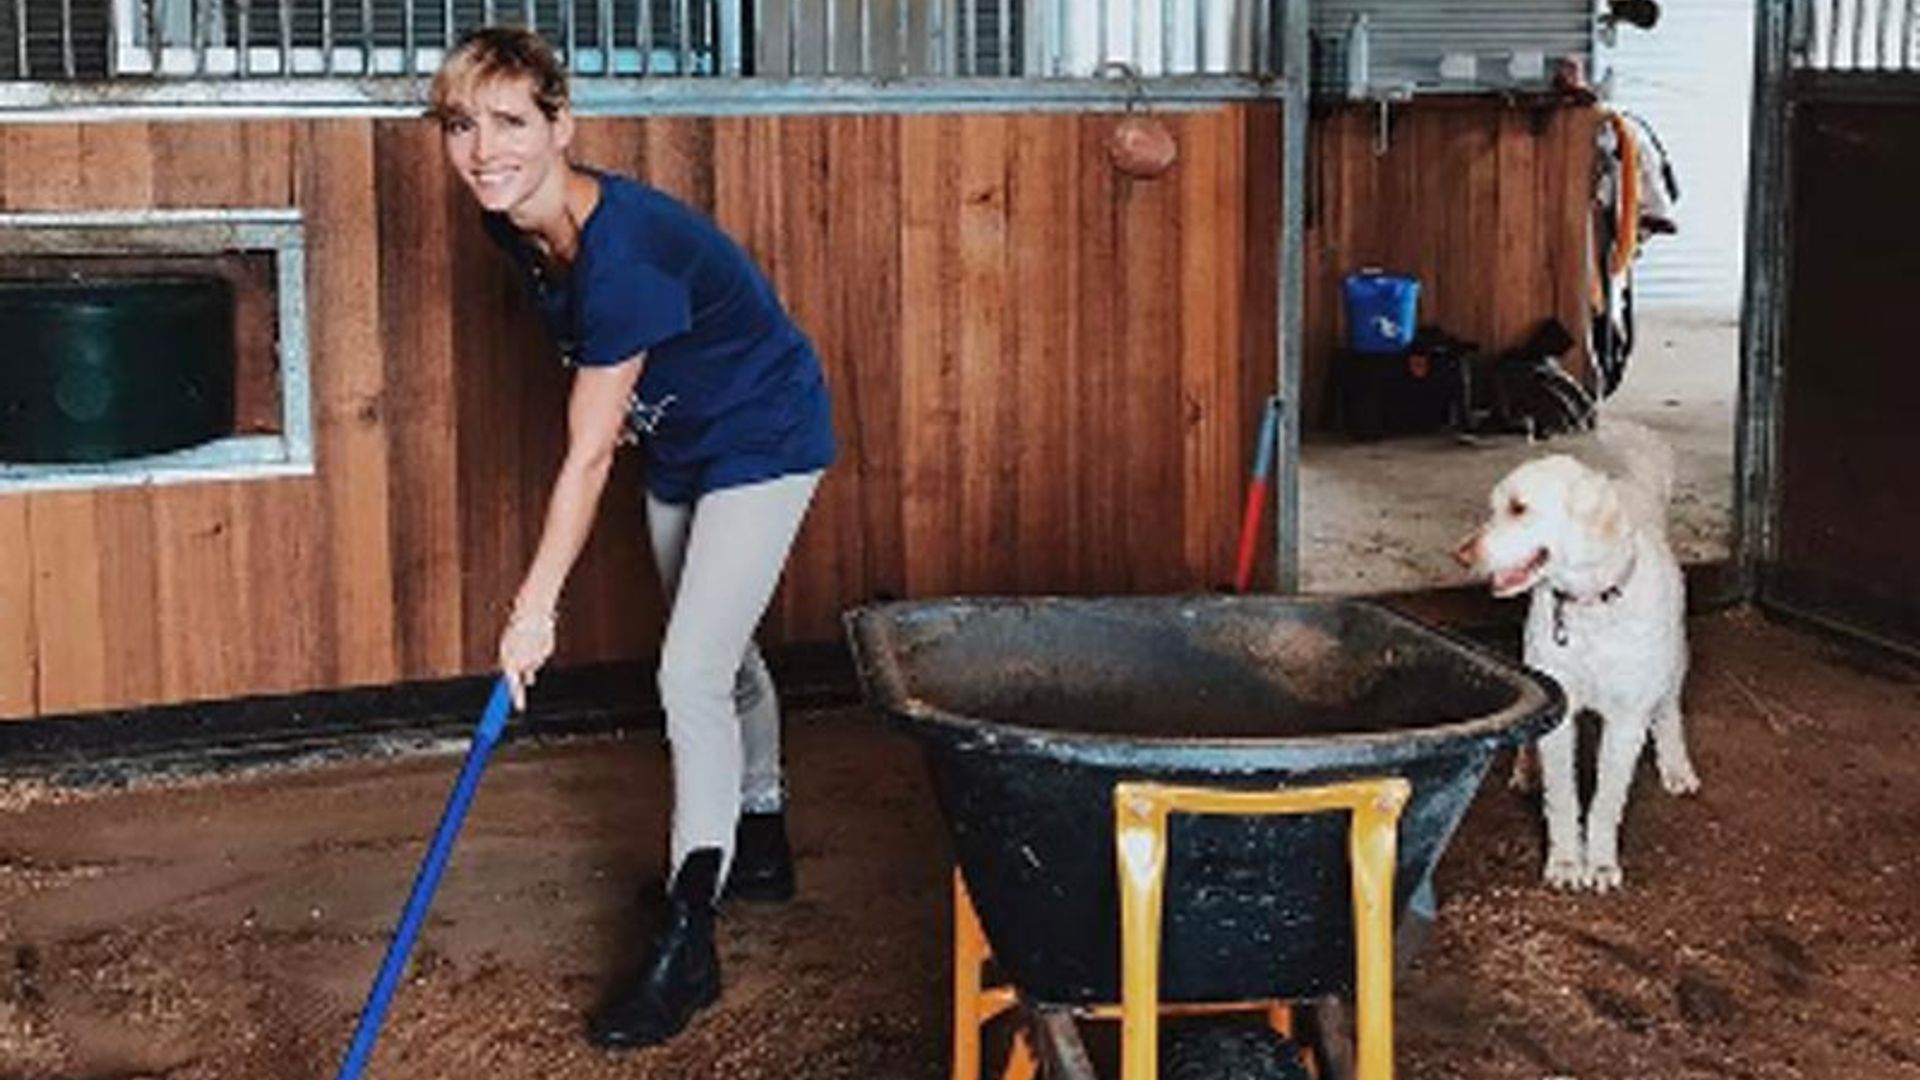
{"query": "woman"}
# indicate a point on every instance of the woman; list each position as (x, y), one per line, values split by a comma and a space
(675, 338)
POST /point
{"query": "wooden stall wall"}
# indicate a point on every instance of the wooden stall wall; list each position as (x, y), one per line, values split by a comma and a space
(1486, 202)
(1045, 379)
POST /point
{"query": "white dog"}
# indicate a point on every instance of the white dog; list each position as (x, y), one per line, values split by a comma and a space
(1607, 621)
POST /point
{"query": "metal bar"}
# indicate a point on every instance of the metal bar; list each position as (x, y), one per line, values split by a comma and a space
(243, 57)
(155, 32)
(21, 59)
(1200, 36)
(531, 13)
(866, 38)
(1101, 32)
(1906, 57)
(570, 34)
(286, 36)
(326, 35)
(793, 38)
(1763, 312)
(1832, 8)
(682, 12)
(66, 39)
(196, 34)
(937, 50)
(1292, 300)
(1006, 39)
(1263, 58)
(367, 42)
(1057, 38)
(127, 99)
(409, 42)
(1166, 37)
(970, 37)
(1138, 54)
(830, 37)
(1907, 60)
(902, 35)
(608, 43)
(643, 34)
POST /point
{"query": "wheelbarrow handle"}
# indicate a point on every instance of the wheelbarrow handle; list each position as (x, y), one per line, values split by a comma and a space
(485, 736)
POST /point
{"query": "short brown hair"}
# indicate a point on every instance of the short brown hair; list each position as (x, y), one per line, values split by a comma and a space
(499, 52)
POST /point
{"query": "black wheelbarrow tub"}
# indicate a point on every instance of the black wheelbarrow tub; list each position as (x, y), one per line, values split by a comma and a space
(1029, 710)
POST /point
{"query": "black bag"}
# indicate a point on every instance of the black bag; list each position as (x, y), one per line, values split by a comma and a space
(1415, 391)
(1526, 390)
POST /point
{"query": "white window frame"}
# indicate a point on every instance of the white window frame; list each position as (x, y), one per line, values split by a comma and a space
(279, 232)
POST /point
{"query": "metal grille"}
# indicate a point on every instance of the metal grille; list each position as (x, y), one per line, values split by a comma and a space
(1483, 44)
(1857, 35)
(69, 40)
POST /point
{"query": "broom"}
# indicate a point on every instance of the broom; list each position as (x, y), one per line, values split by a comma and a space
(492, 722)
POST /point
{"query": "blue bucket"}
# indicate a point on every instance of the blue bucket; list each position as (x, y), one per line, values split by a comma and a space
(1382, 309)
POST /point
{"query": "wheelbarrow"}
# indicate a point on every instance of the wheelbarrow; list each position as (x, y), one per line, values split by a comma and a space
(1167, 806)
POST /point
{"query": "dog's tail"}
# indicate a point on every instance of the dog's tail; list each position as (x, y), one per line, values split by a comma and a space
(1647, 457)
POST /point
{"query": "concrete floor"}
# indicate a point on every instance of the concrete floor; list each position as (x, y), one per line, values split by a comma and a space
(1383, 516)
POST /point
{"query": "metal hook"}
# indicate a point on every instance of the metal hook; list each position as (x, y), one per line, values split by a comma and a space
(1135, 84)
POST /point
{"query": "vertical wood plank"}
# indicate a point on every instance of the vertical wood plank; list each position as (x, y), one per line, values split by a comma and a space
(929, 392)
(806, 279)
(985, 366)
(1040, 213)
(204, 636)
(1516, 284)
(337, 185)
(1575, 198)
(856, 514)
(117, 171)
(1148, 444)
(416, 204)
(66, 602)
(1096, 425)
(1212, 204)
(19, 654)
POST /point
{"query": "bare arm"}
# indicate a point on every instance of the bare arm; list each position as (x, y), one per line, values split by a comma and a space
(596, 411)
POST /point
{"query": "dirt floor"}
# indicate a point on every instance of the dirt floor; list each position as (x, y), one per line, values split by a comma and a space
(1384, 516)
(227, 929)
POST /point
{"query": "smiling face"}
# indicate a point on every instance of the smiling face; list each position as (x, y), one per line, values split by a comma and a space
(1546, 518)
(510, 154)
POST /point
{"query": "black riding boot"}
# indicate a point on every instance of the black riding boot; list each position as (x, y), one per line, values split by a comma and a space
(762, 859)
(682, 972)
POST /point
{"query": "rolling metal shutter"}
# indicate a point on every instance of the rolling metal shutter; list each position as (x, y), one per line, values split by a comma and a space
(1408, 37)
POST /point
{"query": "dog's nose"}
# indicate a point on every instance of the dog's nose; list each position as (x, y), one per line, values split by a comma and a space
(1468, 553)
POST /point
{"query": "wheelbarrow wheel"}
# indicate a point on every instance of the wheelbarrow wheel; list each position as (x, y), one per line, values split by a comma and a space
(1229, 1050)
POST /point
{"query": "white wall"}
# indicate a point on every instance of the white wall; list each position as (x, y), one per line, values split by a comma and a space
(1691, 77)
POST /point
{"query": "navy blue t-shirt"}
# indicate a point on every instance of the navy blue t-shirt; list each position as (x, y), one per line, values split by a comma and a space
(732, 392)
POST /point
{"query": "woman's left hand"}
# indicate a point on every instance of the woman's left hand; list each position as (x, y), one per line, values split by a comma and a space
(525, 645)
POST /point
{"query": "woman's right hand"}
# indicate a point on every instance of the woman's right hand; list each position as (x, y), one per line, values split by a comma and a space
(525, 645)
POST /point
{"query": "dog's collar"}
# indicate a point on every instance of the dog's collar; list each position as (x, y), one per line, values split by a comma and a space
(1561, 598)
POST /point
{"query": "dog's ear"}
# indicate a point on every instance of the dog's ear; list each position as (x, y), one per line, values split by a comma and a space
(1596, 510)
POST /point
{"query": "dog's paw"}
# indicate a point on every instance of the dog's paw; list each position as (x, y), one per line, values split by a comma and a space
(1604, 876)
(1565, 872)
(1679, 779)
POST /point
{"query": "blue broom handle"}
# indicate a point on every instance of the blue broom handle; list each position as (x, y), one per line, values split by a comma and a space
(492, 723)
